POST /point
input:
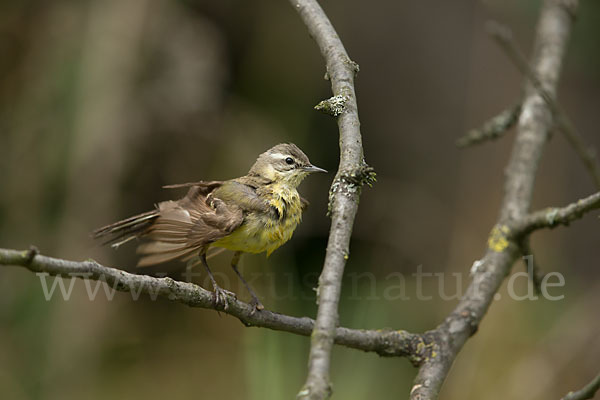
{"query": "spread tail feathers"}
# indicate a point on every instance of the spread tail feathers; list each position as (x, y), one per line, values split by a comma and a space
(128, 229)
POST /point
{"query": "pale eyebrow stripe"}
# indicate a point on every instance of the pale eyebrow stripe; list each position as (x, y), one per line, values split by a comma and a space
(280, 156)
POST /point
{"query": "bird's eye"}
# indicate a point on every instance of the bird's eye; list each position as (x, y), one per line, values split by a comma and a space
(289, 160)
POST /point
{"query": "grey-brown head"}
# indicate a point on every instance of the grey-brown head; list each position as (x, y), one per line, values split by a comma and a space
(284, 163)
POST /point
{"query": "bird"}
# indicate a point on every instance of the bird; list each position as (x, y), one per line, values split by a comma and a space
(255, 213)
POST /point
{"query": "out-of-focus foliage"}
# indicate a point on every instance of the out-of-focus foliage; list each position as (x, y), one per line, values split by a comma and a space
(103, 102)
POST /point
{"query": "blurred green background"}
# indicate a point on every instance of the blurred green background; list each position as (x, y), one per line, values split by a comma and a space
(103, 102)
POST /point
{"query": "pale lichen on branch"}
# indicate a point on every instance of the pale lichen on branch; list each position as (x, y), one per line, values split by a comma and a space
(350, 183)
(333, 106)
(344, 197)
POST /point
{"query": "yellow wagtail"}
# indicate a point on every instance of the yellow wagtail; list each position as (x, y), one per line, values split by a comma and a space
(251, 214)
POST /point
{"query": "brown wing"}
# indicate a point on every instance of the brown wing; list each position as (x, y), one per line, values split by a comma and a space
(208, 185)
(186, 227)
(139, 225)
(236, 192)
(125, 230)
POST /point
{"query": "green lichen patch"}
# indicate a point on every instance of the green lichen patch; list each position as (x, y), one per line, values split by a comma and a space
(498, 239)
(424, 351)
(363, 175)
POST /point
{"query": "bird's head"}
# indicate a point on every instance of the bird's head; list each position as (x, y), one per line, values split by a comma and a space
(284, 163)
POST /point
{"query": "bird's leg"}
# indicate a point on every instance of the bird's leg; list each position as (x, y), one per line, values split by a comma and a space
(234, 262)
(220, 293)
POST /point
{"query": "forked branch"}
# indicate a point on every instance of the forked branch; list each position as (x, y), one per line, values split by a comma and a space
(535, 123)
(383, 342)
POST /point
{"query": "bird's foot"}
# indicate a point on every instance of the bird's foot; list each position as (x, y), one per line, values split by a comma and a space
(222, 297)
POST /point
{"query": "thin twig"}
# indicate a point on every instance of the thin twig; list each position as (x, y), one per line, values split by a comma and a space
(382, 342)
(586, 153)
(555, 216)
(532, 132)
(344, 193)
(531, 265)
(587, 392)
(493, 128)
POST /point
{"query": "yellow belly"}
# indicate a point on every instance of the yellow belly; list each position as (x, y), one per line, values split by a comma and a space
(261, 232)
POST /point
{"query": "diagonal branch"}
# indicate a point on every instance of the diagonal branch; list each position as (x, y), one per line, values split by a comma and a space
(587, 392)
(383, 342)
(533, 129)
(345, 190)
(586, 153)
(493, 128)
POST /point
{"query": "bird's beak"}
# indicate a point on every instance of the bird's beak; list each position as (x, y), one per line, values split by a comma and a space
(312, 168)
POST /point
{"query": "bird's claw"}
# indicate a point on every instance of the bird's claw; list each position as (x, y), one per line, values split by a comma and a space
(221, 298)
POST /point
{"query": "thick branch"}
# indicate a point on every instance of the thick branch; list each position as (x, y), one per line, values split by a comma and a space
(534, 125)
(382, 342)
(344, 193)
(587, 392)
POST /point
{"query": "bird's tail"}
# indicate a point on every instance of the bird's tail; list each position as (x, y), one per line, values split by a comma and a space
(128, 229)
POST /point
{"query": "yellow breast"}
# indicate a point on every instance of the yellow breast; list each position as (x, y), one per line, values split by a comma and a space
(261, 232)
